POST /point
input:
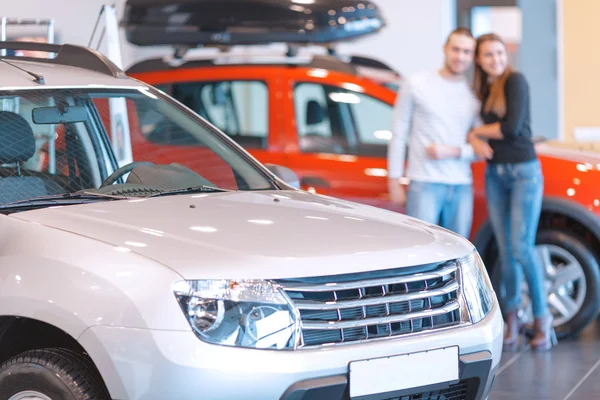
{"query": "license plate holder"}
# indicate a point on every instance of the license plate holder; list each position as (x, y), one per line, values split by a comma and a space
(404, 374)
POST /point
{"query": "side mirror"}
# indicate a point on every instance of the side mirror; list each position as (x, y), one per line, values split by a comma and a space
(285, 174)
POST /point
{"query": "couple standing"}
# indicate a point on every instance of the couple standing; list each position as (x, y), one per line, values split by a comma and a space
(447, 125)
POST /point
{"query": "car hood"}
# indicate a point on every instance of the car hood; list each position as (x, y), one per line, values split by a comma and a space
(591, 159)
(270, 234)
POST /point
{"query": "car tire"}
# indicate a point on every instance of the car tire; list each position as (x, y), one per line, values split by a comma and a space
(55, 374)
(586, 259)
(566, 252)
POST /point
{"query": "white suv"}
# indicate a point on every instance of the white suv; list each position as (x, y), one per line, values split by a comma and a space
(155, 282)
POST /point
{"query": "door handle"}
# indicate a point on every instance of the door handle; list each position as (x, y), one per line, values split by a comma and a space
(315, 181)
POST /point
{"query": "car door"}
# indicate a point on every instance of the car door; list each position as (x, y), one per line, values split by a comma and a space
(341, 134)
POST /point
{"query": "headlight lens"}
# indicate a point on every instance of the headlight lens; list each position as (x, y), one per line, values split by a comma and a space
(476, 287)
(243, 313)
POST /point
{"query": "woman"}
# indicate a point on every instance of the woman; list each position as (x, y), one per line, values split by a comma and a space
(514, 185)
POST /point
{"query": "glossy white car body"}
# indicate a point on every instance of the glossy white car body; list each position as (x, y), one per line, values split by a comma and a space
(102, 273)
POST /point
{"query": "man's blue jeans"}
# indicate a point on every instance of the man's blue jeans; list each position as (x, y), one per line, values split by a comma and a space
(514, 197)
(449, 206)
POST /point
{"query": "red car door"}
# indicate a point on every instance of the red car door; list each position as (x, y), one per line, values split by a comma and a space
(337, 129)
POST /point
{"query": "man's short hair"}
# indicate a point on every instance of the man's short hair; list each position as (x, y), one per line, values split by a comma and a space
(460, 31)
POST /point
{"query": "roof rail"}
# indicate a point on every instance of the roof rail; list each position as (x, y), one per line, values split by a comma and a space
(66, 54)
(370, 63)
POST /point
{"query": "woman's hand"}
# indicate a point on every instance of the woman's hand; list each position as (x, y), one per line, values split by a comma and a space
(488, 131)
(481, 148)
(472, 136)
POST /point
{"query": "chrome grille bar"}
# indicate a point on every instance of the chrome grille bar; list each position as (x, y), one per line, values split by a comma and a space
(447, 308)
(389, 303)
(451, 286)
(399, 280)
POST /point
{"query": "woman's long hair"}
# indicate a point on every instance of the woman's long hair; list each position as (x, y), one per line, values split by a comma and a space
(496, 101)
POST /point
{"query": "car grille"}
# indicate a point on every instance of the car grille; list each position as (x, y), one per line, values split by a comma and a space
(459, 391)
(404, 301)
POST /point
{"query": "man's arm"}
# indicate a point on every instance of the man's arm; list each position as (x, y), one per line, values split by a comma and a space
(401, 126)
(469, 151)
(441, 151)
(480, 147)
(474, 149)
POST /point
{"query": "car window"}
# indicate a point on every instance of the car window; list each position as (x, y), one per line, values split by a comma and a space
(331, 119)
(60, 141)
(40, 159)
(238, 108)
(159, 129)
(372, 120)
(319, 120)
(163, 134)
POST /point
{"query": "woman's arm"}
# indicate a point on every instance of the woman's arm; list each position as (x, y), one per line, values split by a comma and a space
(487, 131)
(517, 107)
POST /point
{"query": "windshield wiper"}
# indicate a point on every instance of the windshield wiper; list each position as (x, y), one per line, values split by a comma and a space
(192, 189)
(58, 199)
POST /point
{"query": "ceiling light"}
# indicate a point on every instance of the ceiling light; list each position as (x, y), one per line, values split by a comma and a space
(205, 229)
(260, 221)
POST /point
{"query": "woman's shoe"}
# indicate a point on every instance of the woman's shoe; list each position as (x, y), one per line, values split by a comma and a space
(544, 336)
(512, 332)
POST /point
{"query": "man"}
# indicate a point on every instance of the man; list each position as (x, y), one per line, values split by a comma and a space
(434, 113)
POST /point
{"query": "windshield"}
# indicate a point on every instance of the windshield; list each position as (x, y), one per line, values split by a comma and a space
(55, 142)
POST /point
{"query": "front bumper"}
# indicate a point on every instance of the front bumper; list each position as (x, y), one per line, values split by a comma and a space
(141, 364)
(476, 380)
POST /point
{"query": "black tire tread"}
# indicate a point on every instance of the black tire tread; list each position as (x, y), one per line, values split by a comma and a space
(72, 368)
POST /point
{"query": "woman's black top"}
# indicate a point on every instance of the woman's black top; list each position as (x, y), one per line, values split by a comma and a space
(517, 145)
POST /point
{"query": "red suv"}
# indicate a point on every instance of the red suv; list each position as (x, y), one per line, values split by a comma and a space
(328, 118)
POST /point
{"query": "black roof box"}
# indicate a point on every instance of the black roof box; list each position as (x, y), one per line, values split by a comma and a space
(194, 23)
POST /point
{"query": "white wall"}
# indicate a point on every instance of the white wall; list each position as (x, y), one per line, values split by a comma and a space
(75, 20)
(411, 42)
(414, 36)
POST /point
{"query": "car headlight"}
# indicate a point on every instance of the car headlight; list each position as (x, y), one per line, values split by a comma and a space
(476, 287)
(242, 313)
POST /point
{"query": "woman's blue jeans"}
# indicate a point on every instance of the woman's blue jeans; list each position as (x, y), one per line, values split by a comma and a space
(514, 194)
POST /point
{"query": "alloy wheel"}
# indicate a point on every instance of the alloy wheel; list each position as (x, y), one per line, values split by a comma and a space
(564, 283)
(29, 395)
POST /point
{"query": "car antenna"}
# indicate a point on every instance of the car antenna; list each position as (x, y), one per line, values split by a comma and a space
(102, 10)
(38, 78)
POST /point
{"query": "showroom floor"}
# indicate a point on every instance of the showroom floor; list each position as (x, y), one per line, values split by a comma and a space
(570, 371)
